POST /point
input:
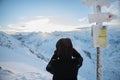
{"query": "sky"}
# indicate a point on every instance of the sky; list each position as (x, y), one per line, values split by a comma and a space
(46, 15)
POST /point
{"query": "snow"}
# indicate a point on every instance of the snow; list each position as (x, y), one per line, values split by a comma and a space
(8, 75)
(18, 59)
(24, 56)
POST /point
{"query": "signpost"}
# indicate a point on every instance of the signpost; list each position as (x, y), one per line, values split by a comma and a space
(100, 17)
(96, 2)
(99, 32)
(99, 36)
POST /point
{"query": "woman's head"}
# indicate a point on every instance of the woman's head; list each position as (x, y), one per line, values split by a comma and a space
(64, 47)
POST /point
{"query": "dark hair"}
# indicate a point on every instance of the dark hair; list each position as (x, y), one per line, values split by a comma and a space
(64, 48)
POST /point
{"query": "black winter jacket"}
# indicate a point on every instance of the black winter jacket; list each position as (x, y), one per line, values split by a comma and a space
(65, 69)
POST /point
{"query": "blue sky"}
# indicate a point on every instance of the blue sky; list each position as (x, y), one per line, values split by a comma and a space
(12, 10)
(61, 11)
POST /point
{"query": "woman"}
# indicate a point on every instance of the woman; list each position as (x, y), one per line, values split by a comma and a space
(65, 62)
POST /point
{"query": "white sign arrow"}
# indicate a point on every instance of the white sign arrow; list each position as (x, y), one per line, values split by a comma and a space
(96, 2)
(101, 17)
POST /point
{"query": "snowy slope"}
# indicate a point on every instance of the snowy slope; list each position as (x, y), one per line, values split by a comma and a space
(9, 75)
(17, 61)
(45, 44)
(82, 41)
(21, 50)
(111, 55)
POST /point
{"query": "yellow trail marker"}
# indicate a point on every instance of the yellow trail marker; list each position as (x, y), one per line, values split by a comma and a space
(102, 38)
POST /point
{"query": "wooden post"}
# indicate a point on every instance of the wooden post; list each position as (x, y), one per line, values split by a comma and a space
(99, 64)
(99, 18)
(97, 9)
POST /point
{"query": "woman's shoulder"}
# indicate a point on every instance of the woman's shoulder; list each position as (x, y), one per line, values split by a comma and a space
(75, 52)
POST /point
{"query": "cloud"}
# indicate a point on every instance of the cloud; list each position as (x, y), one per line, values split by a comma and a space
(0, 26)
(85, 19)
(84, 22)
(32, 24)
(47, 24)
(41, 23)
(114, 9)
(52, 23)
(115, 22)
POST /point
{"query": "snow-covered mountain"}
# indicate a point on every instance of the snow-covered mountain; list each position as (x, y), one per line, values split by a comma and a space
(30, 52)
(17, 62)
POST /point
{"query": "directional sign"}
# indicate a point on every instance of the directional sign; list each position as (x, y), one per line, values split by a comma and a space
(96, 2)
(99, 36)
(101, 17)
